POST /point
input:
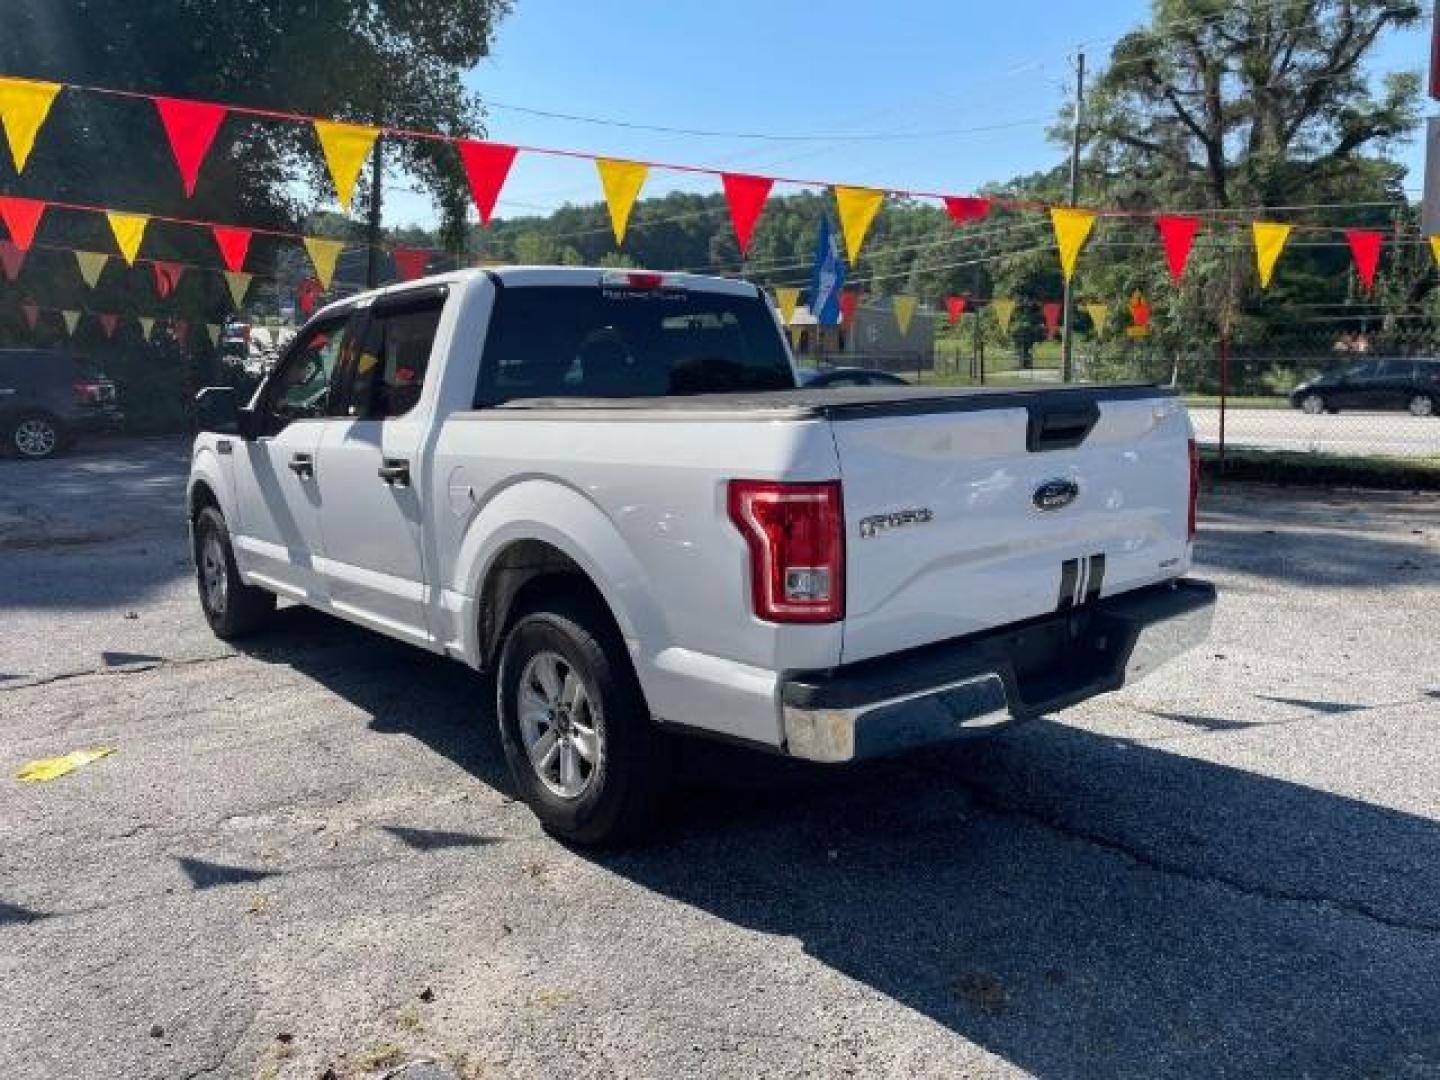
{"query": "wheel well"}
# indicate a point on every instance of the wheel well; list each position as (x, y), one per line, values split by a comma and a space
(526, 571)
(201, 496)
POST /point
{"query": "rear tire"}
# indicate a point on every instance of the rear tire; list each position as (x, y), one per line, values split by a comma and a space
(574, 724)
(232, 608)
(1421, 405)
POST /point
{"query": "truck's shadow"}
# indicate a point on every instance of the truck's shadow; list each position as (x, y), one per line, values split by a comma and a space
(1078, 905)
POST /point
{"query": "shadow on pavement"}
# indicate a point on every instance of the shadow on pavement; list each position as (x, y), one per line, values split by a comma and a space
(104, 527)
(1077, 904)
(1323, 559)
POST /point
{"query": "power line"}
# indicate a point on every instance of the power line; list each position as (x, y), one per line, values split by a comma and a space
(875, 136)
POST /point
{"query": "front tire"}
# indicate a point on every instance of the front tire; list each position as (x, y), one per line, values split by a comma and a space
(1421, 405)
(232, 608)
(1312, 404)
(573, 721)
(36, 437)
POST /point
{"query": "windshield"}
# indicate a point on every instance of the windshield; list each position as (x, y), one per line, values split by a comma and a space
(585, 341)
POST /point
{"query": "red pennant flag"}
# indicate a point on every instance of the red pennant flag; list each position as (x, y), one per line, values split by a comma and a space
(963, 209)
(1177, 234)
(191, 127)
(410, 263)
(234, 245)
(849, 301)
(955, 305)
(487, 164)
(746, 196)
(108, 324)
(1051, 311)
(1365, 247)
(21, 217)
(308, 295)
(1139, 310)
(32, 314)
(11, 260)
(167, 276)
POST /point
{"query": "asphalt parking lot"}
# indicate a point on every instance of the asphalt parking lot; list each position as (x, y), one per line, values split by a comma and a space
(303, 856)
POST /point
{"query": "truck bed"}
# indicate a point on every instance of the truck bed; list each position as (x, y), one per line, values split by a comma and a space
(837, 403)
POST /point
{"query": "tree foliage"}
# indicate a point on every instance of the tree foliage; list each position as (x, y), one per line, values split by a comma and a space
(1221, 103)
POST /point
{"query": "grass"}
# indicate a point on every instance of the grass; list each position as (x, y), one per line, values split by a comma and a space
(1236, 401)
(1324, 470)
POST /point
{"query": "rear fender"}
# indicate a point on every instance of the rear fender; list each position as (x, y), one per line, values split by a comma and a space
(558, 515)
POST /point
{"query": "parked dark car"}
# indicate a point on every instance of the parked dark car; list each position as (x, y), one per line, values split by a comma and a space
(49, 399)
(1384, 383)
(849, 376)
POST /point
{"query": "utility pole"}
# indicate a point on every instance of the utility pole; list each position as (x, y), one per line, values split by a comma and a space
(1066, 343)
(377, 174)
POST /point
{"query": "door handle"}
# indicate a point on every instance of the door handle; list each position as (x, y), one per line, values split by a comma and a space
(303, 466)
(395, 472)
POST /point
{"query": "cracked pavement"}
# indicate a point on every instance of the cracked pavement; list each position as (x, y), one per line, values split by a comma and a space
(304, 856)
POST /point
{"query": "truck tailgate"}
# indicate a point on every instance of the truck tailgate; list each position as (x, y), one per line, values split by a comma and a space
(967, 513)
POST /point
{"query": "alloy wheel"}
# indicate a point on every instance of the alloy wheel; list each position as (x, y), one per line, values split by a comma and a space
(36, 437)
(559, 724)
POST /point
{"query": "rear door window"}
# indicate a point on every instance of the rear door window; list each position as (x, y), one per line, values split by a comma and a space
(1398, 369)
(388, 372)
(602, 342)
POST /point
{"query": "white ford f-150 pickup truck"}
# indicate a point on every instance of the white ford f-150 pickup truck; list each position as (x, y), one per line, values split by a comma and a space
(606, 488)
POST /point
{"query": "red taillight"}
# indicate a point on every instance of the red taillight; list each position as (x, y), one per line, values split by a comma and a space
(796, 535)
(1194, 487)
(85, 391)
(633, 279)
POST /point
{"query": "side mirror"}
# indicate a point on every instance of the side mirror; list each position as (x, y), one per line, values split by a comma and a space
(216, 410)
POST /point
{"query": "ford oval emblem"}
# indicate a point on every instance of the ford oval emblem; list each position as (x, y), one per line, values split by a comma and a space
(1055, 494)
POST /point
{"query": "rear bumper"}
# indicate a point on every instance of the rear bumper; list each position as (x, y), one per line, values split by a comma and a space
(95, 421)
(945, 690)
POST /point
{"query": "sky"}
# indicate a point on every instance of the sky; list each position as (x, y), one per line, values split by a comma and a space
(931, 95)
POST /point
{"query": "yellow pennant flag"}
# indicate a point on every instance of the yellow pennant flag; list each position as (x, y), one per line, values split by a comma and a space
(1072, 229)
(212, 330)
(35, 772)
(1435, 248)
(1004, 310)
(787, 300)
(346, 147)
(1270, 240)
(904, 312)
(146, 326)
(1099, 314)
(622, 181)
(857, 207)
(129, 230)
(72, 320)
(239, 283)
(323, 254)
(24, 104)
(91, 263)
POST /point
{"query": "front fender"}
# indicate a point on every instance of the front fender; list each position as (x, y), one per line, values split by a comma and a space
(208, 467)
(556, 514)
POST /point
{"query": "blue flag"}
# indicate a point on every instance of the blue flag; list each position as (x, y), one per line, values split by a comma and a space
(827, 278)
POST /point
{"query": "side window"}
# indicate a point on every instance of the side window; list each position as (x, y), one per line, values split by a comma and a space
(300, 389)
(1398, 369)
(393, 357)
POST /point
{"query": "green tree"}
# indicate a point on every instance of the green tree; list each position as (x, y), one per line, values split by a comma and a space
(1223, 103)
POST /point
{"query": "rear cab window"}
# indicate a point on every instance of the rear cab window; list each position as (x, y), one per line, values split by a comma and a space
(604, 341)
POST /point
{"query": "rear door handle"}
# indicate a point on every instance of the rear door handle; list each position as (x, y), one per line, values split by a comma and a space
(303, 466)
(395, 472)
